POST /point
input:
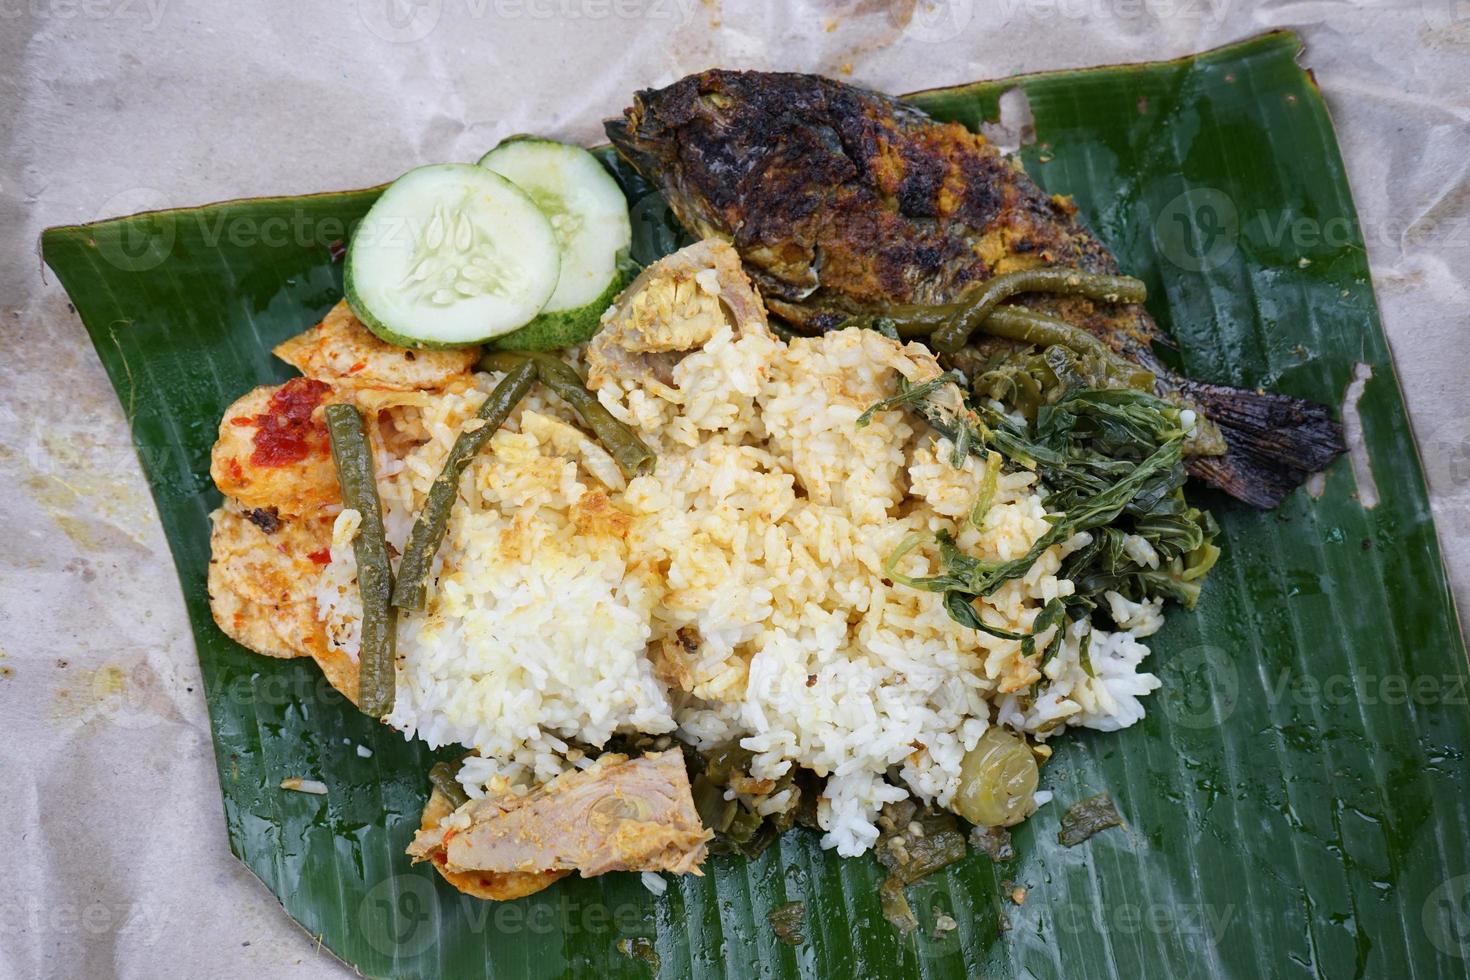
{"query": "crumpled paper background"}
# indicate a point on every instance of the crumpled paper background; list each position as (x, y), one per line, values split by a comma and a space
(115, 855)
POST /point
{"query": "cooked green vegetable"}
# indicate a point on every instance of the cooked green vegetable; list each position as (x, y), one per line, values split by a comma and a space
(1028, 326)
(433, 521)
(1075, 282)
(1087, 817)
(1026, 378)
(998, 780)
(912, 394)
(960, 606)
(377, 660)
(980, 577)
(442, 776)
(1084, 653)
(1110, 462)
(738, 828)
(633, 457)
(905, 321)
(913, 842)
(989, 479)
(787, 920)
(949, 325)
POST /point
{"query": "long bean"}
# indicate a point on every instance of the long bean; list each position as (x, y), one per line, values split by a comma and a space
(1019, 323)
(909, 320)
(433, 521)
(443, 777)
(377, 654)
(1074, 282)
(980, 302)
(633, 457)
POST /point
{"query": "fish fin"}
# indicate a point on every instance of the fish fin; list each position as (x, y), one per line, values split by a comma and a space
(1275, 442)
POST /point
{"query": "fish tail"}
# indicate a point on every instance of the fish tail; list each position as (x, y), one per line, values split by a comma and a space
(1275, 442)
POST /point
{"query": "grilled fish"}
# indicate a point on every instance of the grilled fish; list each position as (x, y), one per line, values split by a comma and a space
(842, 201)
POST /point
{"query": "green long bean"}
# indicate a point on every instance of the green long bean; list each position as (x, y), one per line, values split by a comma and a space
(909, 320)
(633, 457)
(433, 521)
(443, 777)
(972, 311)
(1019, 323)
(376, 658)
(1073, 282)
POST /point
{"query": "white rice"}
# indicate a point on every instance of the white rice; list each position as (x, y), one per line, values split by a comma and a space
(762, 534)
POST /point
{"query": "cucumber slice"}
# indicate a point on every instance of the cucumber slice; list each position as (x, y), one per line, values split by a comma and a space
(589, 215)
(450, 256)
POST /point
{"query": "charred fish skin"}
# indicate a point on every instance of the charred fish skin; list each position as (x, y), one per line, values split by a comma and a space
(841, 200)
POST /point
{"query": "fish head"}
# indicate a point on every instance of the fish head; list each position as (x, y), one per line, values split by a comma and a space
(718, 141)
(648, 137)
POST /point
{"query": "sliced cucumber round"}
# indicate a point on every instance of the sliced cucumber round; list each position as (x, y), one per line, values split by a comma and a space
(450, 256)
(589, 215)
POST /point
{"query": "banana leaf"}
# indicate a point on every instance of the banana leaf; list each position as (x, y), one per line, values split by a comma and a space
(1295, 803)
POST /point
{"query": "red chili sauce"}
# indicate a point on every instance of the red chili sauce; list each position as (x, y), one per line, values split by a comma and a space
(285, 433)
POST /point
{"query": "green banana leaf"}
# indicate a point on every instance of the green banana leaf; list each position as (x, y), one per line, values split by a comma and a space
(1295, 801)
